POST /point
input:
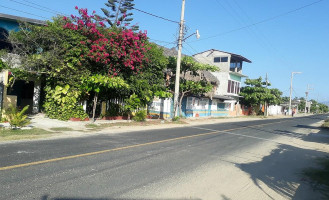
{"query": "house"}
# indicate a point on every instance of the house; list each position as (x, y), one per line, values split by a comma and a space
(21, 93)
(223, 100)
(226, 97)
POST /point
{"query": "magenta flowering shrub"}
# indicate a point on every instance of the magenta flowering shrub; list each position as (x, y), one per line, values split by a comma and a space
(120, 51)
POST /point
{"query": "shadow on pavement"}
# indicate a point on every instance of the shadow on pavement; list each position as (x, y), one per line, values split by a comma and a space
(46, 197)
(321, 137)
(281, 171)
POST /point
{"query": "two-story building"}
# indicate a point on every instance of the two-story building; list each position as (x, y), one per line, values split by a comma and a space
(229, 78)
(21, 93)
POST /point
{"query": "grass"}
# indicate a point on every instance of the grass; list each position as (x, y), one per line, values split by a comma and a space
(61, 129)
(319, 177)
(18, 134)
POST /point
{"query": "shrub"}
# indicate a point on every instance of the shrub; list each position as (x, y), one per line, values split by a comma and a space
(17, 118)
(62, 103)
(175, 119)
(140, 115)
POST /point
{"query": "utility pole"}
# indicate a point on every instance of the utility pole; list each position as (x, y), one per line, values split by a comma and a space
(265, 108)
(307, 91)
(292, 76)
(179, 57)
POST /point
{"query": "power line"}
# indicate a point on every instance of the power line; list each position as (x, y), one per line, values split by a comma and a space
(33, 7)
(45, 7)
(262, 21)
(169, 20)
(209, 62)
(24, 12)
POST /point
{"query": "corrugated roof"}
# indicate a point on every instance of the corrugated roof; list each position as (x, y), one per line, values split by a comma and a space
(237, 56)
(23, 19)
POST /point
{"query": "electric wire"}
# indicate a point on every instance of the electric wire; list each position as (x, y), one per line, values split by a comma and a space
(33, 7)
(260, 22)
(169, 20)
(208, 62)
(46, 8)
(24, 12)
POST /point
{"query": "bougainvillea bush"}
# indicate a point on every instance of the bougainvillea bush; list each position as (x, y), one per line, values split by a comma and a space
(114, 51)
(72, 51)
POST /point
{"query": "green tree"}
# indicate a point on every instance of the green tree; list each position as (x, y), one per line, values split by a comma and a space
(150, 82)
(256, 93)
(99, 83)
(50, 50)
(191, 82)
(317, 107)
(119, 13)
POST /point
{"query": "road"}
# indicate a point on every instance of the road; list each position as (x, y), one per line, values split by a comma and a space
(242, 160)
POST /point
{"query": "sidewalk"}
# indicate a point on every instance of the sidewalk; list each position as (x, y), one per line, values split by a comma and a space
(66, 129)
(40, 121)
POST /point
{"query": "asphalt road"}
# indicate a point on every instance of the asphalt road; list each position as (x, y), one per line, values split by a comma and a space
(106, 167)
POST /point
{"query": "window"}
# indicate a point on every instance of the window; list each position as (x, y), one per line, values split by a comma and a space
(229, 86)
(235, 64)
(224, 59)
(220, 59)
(217, 59)
(233, 87)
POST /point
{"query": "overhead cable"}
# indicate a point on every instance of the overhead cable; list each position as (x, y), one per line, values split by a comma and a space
(24, 12)
(262, 21)
(156, 16)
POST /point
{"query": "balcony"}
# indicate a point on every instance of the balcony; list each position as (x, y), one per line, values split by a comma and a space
(236, 67)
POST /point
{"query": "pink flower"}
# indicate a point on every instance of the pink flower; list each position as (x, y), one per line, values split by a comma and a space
(76, 7)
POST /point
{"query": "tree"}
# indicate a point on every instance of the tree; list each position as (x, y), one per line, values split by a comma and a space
(100, 83)
(256, 93)
(118, 52)
(81, 52)
(191, 82)
(118, 14)
(317, 107)
(150, 81)
(50, 50)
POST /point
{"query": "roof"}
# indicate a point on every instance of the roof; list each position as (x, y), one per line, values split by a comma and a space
(169, 52)
(233, 55)
(23, 19)
(238, 74)
(223, 97)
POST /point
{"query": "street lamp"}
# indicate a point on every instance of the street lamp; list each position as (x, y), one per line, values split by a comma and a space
(292, 76)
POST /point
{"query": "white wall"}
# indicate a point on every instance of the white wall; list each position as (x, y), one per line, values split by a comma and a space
(274, 110)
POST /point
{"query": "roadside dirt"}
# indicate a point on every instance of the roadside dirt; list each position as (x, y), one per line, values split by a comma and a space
(270, 170)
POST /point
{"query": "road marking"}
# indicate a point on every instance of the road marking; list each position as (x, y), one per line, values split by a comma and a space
(132, 146)
(237, 134)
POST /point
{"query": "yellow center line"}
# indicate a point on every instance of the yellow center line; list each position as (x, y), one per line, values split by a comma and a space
(122, 148)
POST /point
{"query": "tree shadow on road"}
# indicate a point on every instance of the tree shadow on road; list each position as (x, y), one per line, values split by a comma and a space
(281, 172)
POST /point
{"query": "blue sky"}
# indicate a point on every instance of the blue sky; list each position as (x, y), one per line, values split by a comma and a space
(294, 42)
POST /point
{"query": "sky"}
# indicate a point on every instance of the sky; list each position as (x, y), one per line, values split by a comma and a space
(279, 37)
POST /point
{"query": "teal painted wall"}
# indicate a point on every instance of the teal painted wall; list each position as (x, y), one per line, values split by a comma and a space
(235, 77)
(9, 25)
